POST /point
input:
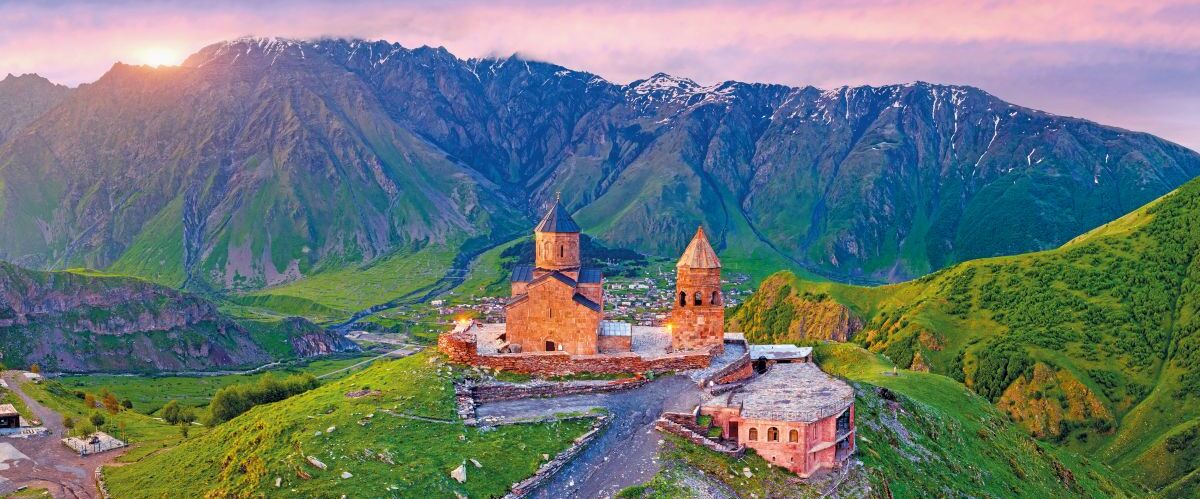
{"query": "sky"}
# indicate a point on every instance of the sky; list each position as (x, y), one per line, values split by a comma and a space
(1133, 64)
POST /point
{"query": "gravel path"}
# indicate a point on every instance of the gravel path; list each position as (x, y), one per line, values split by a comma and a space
(48, 463)
(626, 454)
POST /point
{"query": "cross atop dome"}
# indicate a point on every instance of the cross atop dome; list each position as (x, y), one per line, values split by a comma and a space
(557, 219)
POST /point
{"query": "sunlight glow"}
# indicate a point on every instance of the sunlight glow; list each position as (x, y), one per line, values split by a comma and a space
(159, 56)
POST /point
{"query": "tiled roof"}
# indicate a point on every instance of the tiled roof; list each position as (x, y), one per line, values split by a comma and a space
(699, 254)
(559, 276)
(522, 273)
(557, 220)
(590, 276)
(789, 392)
(583, 300)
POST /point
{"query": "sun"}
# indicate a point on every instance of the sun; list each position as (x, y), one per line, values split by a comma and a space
(158, 56)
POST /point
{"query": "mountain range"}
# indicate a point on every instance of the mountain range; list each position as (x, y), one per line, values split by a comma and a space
(261, 161)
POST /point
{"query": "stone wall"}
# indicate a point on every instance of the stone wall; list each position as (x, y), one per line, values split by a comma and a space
(524, 487)
(672, 423)
(740, 370)
(507, 391)
(613, 344)
(459, 346)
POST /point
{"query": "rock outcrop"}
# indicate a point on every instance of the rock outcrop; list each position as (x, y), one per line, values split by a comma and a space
(79, 322)
(780, 313)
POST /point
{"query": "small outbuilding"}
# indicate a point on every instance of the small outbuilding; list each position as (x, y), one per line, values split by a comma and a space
(9, 417)
(765, 356)
(794, 415)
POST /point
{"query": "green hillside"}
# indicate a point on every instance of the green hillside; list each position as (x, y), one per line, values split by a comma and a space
(1095, 345)
(385, 454)
(919, 435)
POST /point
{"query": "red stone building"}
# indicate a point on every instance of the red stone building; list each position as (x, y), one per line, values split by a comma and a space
(794, 416)
(698, 321)
(554, 321)
(556, 304)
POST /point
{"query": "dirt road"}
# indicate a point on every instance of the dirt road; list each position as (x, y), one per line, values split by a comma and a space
(44, 461)
(626, 454)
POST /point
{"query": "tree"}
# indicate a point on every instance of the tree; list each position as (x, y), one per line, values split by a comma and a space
(111, 404)
(128, 404)
(85, 428)
(35, 369)
(97, 419)
(170, 412)
(183, 430)
(89, 400)
(68, 422)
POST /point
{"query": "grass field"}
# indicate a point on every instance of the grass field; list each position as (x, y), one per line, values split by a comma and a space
(385, 455)
(341, 292)
(149, 393)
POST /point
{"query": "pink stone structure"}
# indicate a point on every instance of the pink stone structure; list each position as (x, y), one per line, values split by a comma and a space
(795, 416)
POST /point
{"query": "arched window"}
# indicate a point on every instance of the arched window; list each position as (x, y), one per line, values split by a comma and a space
(772, 434)
(683, 298)
(696, 297)
(716, 298)
(753, 435)
(793, 436)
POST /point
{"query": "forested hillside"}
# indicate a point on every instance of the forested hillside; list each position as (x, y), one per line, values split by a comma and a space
(1095, 344)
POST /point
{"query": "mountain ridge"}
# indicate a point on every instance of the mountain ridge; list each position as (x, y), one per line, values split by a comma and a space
(352, 151)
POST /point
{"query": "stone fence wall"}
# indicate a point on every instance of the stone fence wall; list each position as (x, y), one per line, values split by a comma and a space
(524, 487)
(505, 391)
(737, 370)
(678, 424)
(460, 347)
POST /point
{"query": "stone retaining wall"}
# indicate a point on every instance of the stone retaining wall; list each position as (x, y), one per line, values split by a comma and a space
(737, 370)
(460, 347)
(678, 424)
(524, 487)
(498, 392)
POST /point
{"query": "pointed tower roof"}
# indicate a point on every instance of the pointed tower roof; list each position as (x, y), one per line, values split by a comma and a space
(699, 254)
(557, 219)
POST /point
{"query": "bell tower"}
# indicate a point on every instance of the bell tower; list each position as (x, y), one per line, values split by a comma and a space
(556, 241)
(698, 320)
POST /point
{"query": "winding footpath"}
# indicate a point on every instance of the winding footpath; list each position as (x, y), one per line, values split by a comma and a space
(627, 453)
(44, 461)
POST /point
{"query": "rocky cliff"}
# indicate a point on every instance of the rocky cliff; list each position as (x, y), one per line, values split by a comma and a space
(80, 322)
(776, 313)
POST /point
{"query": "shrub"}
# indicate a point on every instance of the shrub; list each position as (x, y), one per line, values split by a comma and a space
(97, 419)
(233, 400)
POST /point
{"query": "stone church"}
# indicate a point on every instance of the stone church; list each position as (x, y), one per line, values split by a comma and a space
(557, 304)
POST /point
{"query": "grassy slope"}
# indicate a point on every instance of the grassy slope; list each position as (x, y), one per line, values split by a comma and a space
(937, 439)
(244, 456)
(1112, 313)
(341, 292)
(148, 394)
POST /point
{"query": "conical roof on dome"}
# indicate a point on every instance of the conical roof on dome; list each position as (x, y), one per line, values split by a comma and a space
(557, 220)
(699, 254)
